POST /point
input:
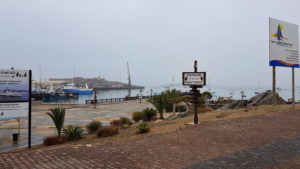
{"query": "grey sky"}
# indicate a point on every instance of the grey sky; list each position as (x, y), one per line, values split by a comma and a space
(159, 38)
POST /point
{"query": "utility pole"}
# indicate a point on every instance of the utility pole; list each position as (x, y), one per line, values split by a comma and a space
(141, 95)
(95, 99)
(242, 95)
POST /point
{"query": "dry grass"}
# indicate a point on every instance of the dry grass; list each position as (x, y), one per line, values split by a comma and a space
(166, 126)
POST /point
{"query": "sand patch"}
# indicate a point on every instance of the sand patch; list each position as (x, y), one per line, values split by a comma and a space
(45, 131)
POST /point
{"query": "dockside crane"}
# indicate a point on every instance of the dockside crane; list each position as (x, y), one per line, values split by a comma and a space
(129, 79)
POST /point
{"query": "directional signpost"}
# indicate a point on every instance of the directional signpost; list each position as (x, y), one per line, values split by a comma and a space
(194, 80)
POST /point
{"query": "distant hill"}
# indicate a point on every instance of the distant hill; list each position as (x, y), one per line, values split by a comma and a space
(94, 82)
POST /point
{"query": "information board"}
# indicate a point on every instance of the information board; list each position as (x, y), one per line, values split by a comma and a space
(14, 93)
(283, 44)
(194, 78)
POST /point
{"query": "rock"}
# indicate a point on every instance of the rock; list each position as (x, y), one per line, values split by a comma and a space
(264, 98)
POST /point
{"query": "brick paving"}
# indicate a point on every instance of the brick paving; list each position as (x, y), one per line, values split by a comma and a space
(178, 149)
(257, 158)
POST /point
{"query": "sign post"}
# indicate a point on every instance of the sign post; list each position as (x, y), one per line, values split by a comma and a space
(15, 96)
(194, 80)
(283, 51)
(274, 89)
(29, 109)
(293, 87)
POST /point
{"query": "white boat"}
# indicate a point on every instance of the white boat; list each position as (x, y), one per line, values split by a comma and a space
(9, 93)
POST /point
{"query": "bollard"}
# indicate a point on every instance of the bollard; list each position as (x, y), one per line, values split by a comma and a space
(15, 137)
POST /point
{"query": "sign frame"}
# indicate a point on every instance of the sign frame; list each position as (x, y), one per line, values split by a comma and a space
(194, 85)
(283, 43)
(15, 93)
(26, 90)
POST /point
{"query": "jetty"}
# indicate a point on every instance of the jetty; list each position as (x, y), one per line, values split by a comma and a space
(114, 99)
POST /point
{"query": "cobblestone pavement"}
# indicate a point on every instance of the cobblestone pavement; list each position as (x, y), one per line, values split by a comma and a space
(270, 138)
(257, 158)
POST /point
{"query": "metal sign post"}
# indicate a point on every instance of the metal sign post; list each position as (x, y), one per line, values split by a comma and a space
(194, 80)
(274, 89)
(293, 87)
(29, 110)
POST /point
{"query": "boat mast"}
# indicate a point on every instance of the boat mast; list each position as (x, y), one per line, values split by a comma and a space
(40, 76)
(129, 79)
(73, 76)
(173, 82)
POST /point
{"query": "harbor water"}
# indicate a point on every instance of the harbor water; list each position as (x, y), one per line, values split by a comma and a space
(235, 92)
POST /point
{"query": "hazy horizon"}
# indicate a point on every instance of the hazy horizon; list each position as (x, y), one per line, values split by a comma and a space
(159, 39)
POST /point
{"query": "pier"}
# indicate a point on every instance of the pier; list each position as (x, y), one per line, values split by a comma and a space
(112, 100)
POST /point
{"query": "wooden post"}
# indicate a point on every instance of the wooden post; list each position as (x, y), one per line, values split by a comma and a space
(274, 89)
(195, 96)
(293, 87)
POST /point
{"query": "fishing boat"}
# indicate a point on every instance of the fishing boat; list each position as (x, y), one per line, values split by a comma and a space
(9, 93)
(71, 88)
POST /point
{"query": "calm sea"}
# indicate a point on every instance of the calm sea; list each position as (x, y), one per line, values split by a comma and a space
(235, 92)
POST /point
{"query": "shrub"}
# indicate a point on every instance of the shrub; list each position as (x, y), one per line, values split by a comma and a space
(149, 114)
(180, 109)
(125, 121)
(107, 131)
(143, 128)
(53, 140)
(137, 116)
(116, 123)
(93, 126)
(72, 132)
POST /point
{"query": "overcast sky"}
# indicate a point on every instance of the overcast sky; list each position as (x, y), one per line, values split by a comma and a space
(159, 39)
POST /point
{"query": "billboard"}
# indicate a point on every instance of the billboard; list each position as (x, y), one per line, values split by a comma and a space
(14, 93)
(283, 44)
(194, 78)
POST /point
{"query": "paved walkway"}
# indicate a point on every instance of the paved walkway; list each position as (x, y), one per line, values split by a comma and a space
(256, 142)
(42, 125)
(257, 158)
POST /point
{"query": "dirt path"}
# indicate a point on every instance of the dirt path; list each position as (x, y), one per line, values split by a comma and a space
(178, 149)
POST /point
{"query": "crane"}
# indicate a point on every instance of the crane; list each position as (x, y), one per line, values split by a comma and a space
(129, 79)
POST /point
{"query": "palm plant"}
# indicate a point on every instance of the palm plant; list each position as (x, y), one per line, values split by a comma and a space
(160, 102)
(58, 116)
(174, 97)
(73, 132)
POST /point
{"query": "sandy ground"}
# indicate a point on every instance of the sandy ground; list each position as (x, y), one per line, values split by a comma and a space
(166, 126)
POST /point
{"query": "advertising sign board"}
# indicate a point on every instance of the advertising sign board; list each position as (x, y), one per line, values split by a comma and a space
(14, 93)
(283, 44)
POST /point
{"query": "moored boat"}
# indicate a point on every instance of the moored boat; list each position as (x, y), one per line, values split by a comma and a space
(71, 88)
